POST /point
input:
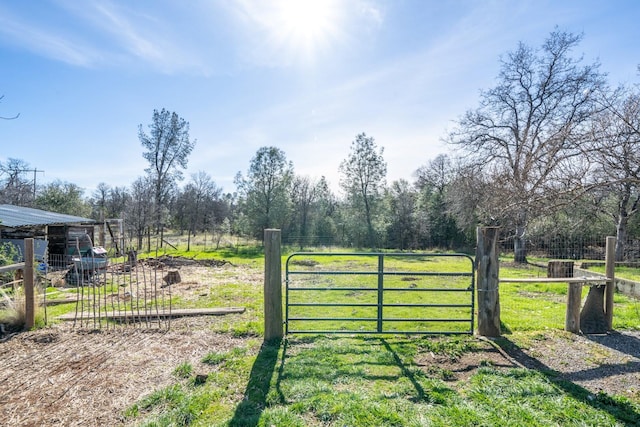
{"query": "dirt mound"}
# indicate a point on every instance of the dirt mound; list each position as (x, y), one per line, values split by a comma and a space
(170, 261)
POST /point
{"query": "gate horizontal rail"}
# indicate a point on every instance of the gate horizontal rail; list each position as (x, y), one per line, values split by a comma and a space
(309, 302)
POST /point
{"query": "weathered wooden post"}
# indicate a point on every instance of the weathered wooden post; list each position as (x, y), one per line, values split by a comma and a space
(28, 280)
(572, 316)
(558, 268)
(272, 285)
(487, 282)
(610, 272)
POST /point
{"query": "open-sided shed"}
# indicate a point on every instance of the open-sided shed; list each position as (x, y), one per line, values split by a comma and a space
(59, 230)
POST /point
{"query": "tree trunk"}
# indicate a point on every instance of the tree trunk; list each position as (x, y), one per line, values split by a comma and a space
(621, 235)
(370, 233)
(519, 247)
(519, 244)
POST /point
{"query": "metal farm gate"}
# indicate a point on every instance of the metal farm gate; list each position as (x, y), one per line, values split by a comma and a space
(378, 293)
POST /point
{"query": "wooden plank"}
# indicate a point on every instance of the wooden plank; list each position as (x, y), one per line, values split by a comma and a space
(12, 267)
(13, 283)
(176, 312)
(58, 301)
(584, 280)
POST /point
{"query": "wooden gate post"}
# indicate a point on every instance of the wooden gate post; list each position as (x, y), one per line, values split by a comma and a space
(572, 316)
(28, 281)
(610, 272)
(272, 285)
(487, 282)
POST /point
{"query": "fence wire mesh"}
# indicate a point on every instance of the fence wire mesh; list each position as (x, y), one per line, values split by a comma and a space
(125, 293)
(574, 248)
(110, 291)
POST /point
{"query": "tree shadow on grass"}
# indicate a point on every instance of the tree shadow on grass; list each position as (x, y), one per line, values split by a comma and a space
(421, 395)
(253, 403)
(435, 394)
(622, 410)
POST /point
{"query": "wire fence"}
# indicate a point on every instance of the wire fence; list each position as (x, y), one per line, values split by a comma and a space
(106, 292)
(576, 248)
(127, 293)
(551, 246)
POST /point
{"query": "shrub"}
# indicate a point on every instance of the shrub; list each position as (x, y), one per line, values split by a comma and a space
(14, 313)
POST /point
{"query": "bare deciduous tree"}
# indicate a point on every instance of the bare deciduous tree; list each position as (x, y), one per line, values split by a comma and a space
(196, 202)
(617, 136)
(138, 215)
(527, 133)
(15, 188)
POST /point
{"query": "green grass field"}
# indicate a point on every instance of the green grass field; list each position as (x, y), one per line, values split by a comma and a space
(367, 380)
(370, 381)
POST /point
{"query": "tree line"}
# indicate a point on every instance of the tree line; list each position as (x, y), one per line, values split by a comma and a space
(550, 152)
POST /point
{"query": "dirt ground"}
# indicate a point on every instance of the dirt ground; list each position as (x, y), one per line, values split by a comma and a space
(59, 376)
(71, 378)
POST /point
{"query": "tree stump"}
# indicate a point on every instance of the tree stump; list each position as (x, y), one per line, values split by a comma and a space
(132, 257)
(559, 268)
(172, 277)
(592, 317)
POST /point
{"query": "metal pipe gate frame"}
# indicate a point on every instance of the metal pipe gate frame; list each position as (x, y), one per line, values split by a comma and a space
(310, 271)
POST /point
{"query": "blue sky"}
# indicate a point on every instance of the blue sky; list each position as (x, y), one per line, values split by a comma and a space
(305, 76)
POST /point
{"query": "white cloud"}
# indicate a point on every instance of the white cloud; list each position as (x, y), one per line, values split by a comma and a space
(120, 26)
(53, 42)
(130, 36)
(103, 33)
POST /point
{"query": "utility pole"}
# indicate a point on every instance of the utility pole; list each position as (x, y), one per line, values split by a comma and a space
(35, 171)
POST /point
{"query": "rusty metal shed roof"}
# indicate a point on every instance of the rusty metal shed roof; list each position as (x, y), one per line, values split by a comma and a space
(19, 216)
